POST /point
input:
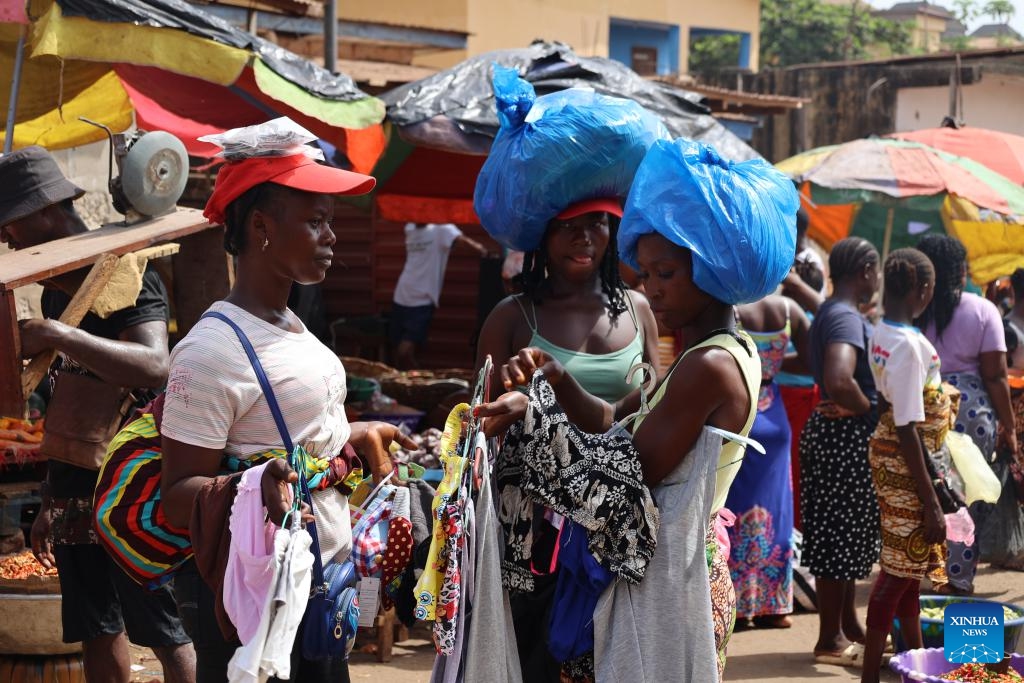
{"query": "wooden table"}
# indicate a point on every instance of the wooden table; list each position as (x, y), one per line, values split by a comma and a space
(202, 273)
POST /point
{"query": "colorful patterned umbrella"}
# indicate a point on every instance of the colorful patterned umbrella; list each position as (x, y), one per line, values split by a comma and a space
(892, 192)
(1002, 152)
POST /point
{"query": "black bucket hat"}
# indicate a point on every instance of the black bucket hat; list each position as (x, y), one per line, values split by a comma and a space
(30, 181)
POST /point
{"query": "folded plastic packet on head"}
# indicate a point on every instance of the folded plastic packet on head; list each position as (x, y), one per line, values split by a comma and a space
(277, 138)
(737, 219)
(553, 151)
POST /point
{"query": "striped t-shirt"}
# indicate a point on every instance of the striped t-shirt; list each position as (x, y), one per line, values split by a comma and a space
(215, 401)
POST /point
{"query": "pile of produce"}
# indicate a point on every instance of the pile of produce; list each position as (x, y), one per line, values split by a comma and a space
(977, 673)
(19, 439)
(938, 613)
(426, 455)
(21, 566)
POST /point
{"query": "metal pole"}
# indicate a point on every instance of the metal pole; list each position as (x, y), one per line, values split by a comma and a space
(12, 105)
(331, 35)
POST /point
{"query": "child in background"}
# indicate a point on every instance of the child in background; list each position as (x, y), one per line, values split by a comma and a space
(915, 417)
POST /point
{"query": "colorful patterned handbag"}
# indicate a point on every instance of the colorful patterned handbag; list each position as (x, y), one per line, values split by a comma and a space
(127, 513)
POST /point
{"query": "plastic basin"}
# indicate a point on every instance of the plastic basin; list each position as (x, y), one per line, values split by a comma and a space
(927, 664)
(360, 389)
(932, 629)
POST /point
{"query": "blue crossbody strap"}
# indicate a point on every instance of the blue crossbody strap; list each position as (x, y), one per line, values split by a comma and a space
(282, 428)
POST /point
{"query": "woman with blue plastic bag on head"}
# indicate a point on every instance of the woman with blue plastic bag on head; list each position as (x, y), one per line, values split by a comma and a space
(277, 206)
(553, 187)
(704, 234)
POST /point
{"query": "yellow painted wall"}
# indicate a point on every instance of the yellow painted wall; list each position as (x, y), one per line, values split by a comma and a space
(440, 14)
(583, 24)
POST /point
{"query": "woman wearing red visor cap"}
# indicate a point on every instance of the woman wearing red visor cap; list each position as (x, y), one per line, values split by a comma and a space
(552, 187)
(278, 213)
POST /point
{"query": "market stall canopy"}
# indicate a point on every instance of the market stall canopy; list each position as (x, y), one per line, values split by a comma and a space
(1002, 152)
(179, 69)
(891, 192)
(442, 126)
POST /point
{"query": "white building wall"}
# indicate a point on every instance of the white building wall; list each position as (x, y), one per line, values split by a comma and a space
(995, 102)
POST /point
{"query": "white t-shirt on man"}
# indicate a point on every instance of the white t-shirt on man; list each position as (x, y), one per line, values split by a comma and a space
(426, 258)
(904, 364)
(213, 400)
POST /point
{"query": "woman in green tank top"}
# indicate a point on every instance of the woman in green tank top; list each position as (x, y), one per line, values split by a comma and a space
(576, 307)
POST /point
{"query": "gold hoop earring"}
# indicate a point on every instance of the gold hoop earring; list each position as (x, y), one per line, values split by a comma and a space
(266, 243)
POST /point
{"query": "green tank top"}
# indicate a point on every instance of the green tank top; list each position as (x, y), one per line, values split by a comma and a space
(731, 457)
(600, 374)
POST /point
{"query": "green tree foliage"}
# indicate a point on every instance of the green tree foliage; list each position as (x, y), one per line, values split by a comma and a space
(966, 11)
(808, 31)
(711, 53)
(1000, 10)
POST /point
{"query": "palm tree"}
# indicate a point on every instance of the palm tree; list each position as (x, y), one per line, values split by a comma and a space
(1000, 10)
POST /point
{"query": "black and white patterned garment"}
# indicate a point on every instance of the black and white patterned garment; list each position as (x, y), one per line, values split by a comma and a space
(838, 505)
(593, 479)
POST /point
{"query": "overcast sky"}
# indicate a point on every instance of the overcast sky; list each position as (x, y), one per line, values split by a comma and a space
(1017, 21)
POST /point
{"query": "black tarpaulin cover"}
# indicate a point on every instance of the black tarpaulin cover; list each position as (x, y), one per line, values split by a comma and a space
(454, 109)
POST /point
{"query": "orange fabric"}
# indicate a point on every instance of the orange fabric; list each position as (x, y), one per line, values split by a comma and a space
(828, 223)
(407, 208)
(364, 147)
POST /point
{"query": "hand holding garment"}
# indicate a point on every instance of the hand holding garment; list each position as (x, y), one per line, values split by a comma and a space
(249, 575)
(737, 219)
(593, 479)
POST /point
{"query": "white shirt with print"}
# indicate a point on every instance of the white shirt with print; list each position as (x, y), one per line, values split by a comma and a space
(904, 364)
(213, 400)
(426, 259)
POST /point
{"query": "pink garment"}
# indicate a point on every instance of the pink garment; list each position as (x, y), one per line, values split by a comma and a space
(249, 575)
(724, 519)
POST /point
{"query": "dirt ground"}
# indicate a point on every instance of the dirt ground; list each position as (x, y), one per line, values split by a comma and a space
(771, 656)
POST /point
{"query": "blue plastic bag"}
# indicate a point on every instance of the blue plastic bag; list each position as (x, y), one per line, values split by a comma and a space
(553, 151)
(738, 219)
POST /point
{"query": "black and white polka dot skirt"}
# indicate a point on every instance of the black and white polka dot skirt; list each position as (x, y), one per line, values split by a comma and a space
(838, 506)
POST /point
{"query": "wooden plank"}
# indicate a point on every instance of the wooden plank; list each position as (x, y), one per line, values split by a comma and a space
(71, 253)
(12, 401)
(79, 305)
(203, 273)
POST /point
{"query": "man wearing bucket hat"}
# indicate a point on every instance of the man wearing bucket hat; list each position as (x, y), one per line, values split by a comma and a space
(97, 359)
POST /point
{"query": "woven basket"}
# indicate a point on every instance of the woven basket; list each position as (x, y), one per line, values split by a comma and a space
(424, 389)
(369, 369)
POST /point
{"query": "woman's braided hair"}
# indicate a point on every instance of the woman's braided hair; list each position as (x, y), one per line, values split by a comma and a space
(236, 216)
(906, 270)
(849, 257)
(949, 258)
(1017, 283)
(534, 275)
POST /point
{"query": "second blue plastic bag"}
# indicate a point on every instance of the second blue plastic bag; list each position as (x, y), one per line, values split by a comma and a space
(737, 219)
(553, 151)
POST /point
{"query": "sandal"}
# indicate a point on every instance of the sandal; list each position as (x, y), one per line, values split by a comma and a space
(852, 656)
(773, 621)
